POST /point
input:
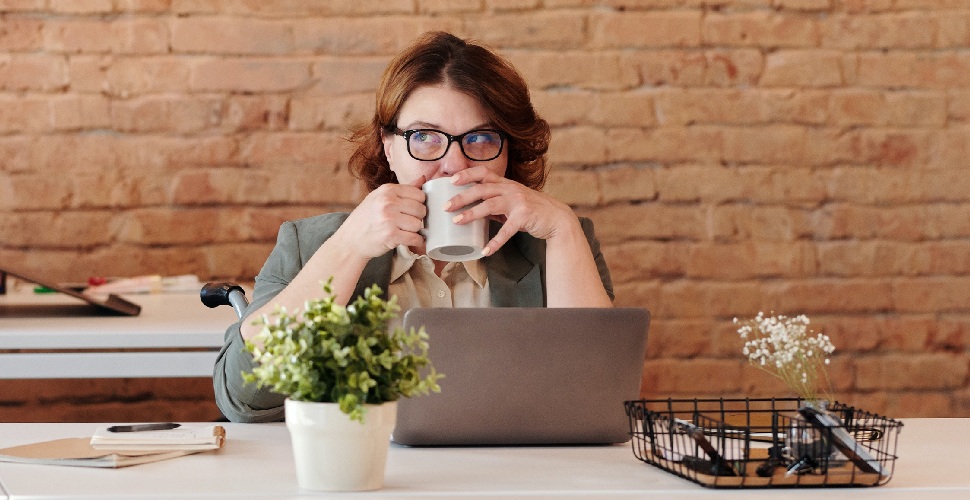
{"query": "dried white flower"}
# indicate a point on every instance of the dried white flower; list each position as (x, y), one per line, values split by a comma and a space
(786, 348)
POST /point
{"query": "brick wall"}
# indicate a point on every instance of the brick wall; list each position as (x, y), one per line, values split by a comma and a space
(801, 156)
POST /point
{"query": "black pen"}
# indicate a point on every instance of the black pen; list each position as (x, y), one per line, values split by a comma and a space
(143, 427)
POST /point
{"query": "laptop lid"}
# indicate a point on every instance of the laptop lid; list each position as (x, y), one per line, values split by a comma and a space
(112, 305)
(526, 376)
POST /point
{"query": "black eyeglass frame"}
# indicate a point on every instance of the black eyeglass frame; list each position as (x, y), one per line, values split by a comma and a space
(406, 134)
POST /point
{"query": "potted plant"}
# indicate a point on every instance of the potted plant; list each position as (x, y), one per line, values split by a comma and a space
(342, 371)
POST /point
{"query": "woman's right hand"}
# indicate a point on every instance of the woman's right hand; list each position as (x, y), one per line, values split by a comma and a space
(388, 216)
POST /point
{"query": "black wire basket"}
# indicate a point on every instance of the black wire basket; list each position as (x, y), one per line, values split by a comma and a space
(758, 443)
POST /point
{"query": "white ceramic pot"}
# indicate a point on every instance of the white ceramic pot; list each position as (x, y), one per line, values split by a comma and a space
(335, 453)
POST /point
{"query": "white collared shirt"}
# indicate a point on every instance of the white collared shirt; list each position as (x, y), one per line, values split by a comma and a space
(413, 281)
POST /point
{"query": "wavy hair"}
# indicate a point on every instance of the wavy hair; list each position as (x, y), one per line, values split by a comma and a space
(442, 58)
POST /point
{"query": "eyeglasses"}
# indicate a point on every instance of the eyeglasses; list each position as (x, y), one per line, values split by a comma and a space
(428, 144)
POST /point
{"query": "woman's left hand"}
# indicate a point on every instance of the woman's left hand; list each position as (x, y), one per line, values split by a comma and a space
(516, 206)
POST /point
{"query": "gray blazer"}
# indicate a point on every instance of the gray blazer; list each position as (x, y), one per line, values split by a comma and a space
(516, 276)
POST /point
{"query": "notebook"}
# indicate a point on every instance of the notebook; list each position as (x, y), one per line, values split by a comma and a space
(526, 376)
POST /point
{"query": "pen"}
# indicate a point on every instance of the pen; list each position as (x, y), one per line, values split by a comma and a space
(143, 427)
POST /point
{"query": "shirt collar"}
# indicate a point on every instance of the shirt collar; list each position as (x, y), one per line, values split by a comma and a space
(404, 259)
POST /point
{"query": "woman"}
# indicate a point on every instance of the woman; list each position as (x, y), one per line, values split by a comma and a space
(445, 108)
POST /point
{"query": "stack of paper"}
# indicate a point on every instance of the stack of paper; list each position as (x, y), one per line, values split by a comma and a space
(119, 449)
(181, 439)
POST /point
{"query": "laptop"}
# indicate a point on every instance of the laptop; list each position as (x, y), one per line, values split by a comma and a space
(113, 305)
(526, 376)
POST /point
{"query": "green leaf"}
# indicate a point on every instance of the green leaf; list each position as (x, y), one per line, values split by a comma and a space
(344, 355)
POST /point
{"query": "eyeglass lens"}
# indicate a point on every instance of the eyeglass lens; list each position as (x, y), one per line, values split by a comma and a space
(478, 145)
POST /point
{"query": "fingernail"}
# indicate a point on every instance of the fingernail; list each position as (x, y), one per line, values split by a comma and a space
(486, 251)
(447, 207)
(454, 179)
(456, 219)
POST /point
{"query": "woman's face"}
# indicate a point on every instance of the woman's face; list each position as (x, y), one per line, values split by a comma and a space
(442, 108)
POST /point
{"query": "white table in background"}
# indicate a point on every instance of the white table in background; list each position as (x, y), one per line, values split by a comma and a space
(256, 462)
(174, 336)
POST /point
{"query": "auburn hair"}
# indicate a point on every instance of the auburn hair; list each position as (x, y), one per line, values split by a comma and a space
(441, 58)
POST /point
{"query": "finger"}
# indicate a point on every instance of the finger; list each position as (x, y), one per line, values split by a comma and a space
(407, 192)
(410, 207)
(503, 235)
(485, 208)
(478, 173)
(409, 223)
(475, 193)
(418, 182)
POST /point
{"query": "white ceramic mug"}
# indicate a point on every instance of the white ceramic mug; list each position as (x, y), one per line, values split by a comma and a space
(445, 240)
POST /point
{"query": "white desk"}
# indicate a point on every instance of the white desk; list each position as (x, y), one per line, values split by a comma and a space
(257, 463)
(174, 336)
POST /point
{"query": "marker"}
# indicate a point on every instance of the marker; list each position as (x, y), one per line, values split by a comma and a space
(143, 427)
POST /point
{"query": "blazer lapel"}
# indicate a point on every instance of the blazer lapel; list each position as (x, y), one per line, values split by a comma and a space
(515, 275)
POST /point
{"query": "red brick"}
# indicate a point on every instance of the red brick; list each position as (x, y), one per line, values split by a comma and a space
(627, 183)
(648, 221)
(958, 105)
(79, 112)
(248, 75)
(329, 113)
(318, 150)
(665, 377)
(235, 260)
(954, 30)
(82, 6)
(908, 371)
(153, 6)
(140, 36)
(804, 5)
(645, 29)
(802, 68)
(354, 36)
(820, 296)
(680, 184)
(738, 223)
(33, 72)
(565, 107)
(573, 187)
(117, 189)
(728, 68)
(750, 260)
(554, 29)
(577, 146)
(637, 294)
(679, 339)
(22, 5)
(108, 400)
(924, 294)
(666, 144)
(622, 109)
(634, 261)
(895, 30)
(336, 76)
(582, 69)
(77, 35)
(23, 114)
(326, 187)
(20, 33)
(762, 28)
(946, 148)
(668, 67)
(219, 35)
(143, 75)
(169, 227)
(768, 144)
